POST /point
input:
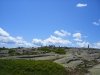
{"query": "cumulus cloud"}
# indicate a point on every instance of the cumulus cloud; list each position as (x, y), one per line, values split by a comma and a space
(14, 40)
(52, 40)
(96, 45)
(56, 39)
(77, 36)
(96, 23)
(81, 5)
(83, 44)
(62, 33)
(79, 41)
(21, 42)
(6, 38)
(37, 42)
(3, 33)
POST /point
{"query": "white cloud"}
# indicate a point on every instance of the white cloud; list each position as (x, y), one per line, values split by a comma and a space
(96, 45)
(81, 5)
(79, 41)
(21, 42)
(62, 33)
(3, 33)
(52, 40)
(96, 23)
(14, 40)
(37, 42)
(6, 38)
(83, 44)
(19, 38)
(56, 39)
(78, 37)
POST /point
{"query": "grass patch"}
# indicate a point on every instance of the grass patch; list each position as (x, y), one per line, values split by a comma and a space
(30, 67)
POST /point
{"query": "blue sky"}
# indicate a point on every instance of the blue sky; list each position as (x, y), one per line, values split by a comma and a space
(39, 22)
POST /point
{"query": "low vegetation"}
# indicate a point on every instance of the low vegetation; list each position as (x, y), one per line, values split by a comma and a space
(57, 50)
(3, 48)
(30, 67)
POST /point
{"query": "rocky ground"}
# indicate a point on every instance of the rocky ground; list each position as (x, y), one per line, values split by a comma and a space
(88, 59)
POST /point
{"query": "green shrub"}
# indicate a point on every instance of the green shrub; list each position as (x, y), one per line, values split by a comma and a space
(45, 49)
(30, 67)
(12, 52)
(60, 51)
